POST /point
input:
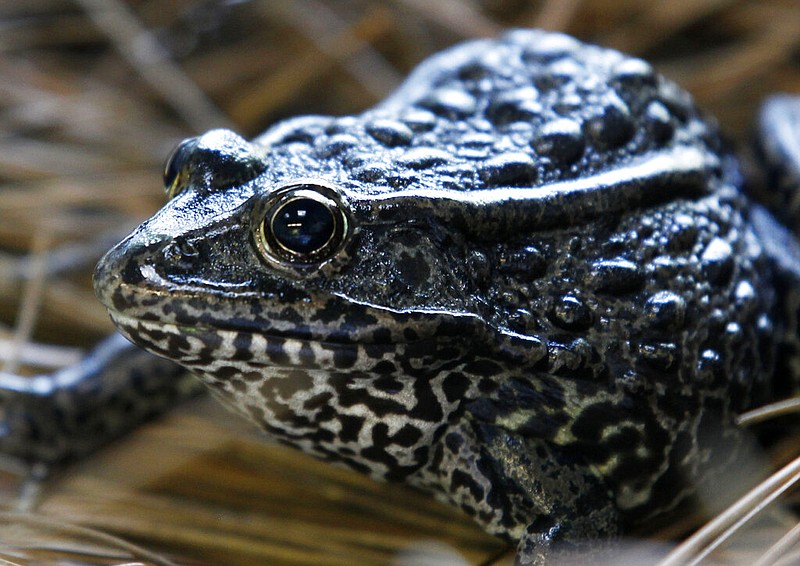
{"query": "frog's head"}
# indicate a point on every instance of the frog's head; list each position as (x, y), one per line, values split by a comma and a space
(335, 279)
(298, 299)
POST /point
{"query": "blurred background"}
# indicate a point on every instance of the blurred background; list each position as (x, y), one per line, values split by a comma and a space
(95, 93)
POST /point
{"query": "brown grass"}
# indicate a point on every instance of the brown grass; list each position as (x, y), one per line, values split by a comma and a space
(94, 93)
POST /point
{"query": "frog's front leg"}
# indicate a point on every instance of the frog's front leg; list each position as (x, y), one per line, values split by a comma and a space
(571, 504)
(71, 412)
(526, 490)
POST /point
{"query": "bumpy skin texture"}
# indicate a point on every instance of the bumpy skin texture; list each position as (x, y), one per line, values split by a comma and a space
(546, 302)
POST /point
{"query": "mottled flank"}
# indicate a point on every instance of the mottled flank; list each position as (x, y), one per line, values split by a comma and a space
(527, 282)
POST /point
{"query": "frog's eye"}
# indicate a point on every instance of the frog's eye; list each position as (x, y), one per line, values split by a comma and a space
(304, 224)
(174, 167)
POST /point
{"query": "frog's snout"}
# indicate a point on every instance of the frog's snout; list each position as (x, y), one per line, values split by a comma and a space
(119, 272)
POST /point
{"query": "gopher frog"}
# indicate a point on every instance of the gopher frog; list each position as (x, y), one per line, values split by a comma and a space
(528, 282)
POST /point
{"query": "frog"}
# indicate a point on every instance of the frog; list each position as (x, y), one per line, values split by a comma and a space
(530, 282)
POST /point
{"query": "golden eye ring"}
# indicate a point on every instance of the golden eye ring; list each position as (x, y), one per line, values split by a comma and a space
(304, 224)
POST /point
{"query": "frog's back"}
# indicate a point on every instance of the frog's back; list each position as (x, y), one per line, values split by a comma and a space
(527, 110)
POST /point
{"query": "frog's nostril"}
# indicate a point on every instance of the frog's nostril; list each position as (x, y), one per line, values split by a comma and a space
(180, 251)
(131, 273)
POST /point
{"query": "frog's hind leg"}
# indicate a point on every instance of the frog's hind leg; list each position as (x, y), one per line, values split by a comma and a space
(777, 227)
(778, 150)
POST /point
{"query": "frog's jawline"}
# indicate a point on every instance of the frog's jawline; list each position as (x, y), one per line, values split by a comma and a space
(174, 341)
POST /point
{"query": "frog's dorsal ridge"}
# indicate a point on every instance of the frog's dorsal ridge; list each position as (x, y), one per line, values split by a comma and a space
(682, 172)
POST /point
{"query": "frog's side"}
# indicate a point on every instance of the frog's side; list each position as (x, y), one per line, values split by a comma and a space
(538, 293)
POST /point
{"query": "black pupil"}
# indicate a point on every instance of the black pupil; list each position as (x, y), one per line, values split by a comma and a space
(303, 225)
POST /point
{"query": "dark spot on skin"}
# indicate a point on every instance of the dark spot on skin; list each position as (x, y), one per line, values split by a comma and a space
(337, 144)
(453, 441)
(227, 372)
(253, 376)
(349, 397)
(388, 384)
(401, 180)
(410, 334)
(419, 120)
(351, 427)
(427, 407)
(462, 480)
(683, 235)
(611, 129)
(407, 436)
(483, 368)
(518, 105)
(413, 270)
(287, 385)
(317, 401)
(300, 135)
(243, 342)
(663, 356)
(659, 122)
(455, 386)
(560, 140)
(473, 71)
(344, 357)
(634, 73)
(371, 172)
(478, 140)
(382, 336)
(711, 368)
(487, 386)
(384, 367)
(132, 274)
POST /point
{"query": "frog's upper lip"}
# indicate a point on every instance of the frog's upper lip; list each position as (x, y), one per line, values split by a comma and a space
(129, 325)
(194, 346)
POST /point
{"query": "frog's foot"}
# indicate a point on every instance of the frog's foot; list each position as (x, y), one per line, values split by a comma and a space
(579, 539)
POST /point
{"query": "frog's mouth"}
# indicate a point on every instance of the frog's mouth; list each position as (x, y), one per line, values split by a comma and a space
(199, 345)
